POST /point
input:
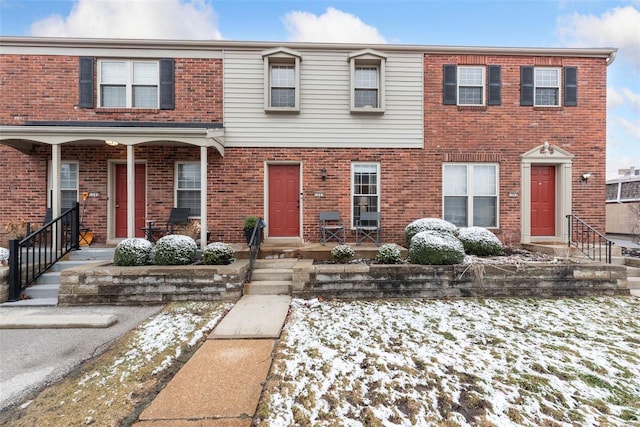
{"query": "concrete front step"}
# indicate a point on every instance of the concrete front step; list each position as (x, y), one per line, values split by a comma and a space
(34, 302)
(633, 282)
(275, 263)
(268, 287)
(633, 271)
(91, 254)
(272, 274)
(49, 290)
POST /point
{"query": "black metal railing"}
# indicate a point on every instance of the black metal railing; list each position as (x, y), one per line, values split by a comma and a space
(34, 255)
(254, 245)
(588, 241)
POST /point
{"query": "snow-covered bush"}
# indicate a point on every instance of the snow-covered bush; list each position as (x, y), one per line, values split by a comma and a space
(218, 253)
(435, 247)
(389, 253)
(342, 253)
(131, 252)
(479, 241)
(4, 256)
(175, 249)
(426, 224)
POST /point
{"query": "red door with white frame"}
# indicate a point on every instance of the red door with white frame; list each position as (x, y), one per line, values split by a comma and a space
(122, 201)
(543, 200)
(284, 201)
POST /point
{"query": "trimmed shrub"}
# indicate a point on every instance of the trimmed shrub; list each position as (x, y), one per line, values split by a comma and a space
(426, 224)
(389, 253)
(435, 247)
(218, 253)
(4, 256)
(480, 241)
(175, 249)
(132, 252)
(342, 253)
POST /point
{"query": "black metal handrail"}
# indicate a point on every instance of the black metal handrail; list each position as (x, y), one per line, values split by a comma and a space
(254, 245)
(588, 241)
(34, 255)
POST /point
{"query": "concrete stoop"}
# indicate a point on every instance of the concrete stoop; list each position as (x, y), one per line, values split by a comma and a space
(271, 277)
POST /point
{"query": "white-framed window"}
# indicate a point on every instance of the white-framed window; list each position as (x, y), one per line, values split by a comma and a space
(128, 83)
(546, 87)
(471, 81)
(365, 189)
(367, 71)
(68, 184)
(281, 80)
(188, 188)
(470, 193)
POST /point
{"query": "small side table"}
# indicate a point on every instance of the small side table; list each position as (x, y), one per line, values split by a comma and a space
(150, 231)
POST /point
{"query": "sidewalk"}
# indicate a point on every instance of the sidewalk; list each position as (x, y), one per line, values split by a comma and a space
(221, 384)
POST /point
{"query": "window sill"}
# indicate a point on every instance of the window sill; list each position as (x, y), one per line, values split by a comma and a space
(549, 108)
(367, 110)
(290, 110)
(127, 110)
(472, 108)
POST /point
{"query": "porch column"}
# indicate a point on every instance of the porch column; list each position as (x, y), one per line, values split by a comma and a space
(203, 197)
(131, 193)
(55, 180)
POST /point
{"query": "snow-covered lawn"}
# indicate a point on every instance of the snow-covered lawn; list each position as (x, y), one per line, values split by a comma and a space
(529, 362)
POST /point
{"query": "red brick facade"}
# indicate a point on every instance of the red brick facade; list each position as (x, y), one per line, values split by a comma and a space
(44, 88)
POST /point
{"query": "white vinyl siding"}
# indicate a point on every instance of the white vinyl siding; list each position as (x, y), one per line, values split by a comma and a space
(470, 193)
(324, 118)
(188, 188)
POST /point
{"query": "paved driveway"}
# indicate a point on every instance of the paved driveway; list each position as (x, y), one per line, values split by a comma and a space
(33, 358)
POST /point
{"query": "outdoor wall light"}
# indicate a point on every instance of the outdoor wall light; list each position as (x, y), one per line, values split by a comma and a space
(323, 174)
(586, 176)
(111, 143)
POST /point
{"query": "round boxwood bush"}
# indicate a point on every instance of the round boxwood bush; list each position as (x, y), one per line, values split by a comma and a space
(426, 224)
(480, 241)
(435, 247)
(342, 253)
(132, 252)
(175, 249)
(218, 253)
(389, 253)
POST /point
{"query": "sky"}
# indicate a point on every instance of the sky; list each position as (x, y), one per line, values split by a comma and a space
(508, 23)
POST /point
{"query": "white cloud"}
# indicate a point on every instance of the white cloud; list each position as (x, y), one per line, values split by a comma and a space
(618, 27)
(614, 98)
(156, 19)
(632, 127)
(634, 98)
(332, 26)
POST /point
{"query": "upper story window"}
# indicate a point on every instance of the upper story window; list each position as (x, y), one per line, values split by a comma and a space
(543, 86)
(281, 80)
(367, 71)
(466, 85)
(128, 84)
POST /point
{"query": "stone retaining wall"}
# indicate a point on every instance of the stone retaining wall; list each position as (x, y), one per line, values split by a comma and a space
(4, 284)
(359, 281)
(104, 283)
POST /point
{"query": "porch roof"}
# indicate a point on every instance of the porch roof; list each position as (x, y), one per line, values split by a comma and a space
(23, 136)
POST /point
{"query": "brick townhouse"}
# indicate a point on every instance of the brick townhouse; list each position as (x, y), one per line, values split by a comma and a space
(512, 139)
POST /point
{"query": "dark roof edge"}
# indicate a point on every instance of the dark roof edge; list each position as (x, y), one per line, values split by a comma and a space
(116, 124)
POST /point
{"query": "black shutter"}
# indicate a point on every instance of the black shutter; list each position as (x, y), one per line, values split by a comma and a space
(449, 89)
(85, 82)
(571, 86)
(167, 84)
(495, 85)
(526, 86)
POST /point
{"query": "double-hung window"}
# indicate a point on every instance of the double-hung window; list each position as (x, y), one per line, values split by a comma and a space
(365, 189)
(367, 71)
(547, 87)
(281, 80)
(188, 190)
(471, 85)
(471, 194)
(128, 84)
(68, 184)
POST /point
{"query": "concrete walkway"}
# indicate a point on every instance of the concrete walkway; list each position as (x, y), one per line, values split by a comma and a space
(220, 385)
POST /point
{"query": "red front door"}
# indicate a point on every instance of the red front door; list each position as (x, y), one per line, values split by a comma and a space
(284, 201)
(121, 200)
(543, 200)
